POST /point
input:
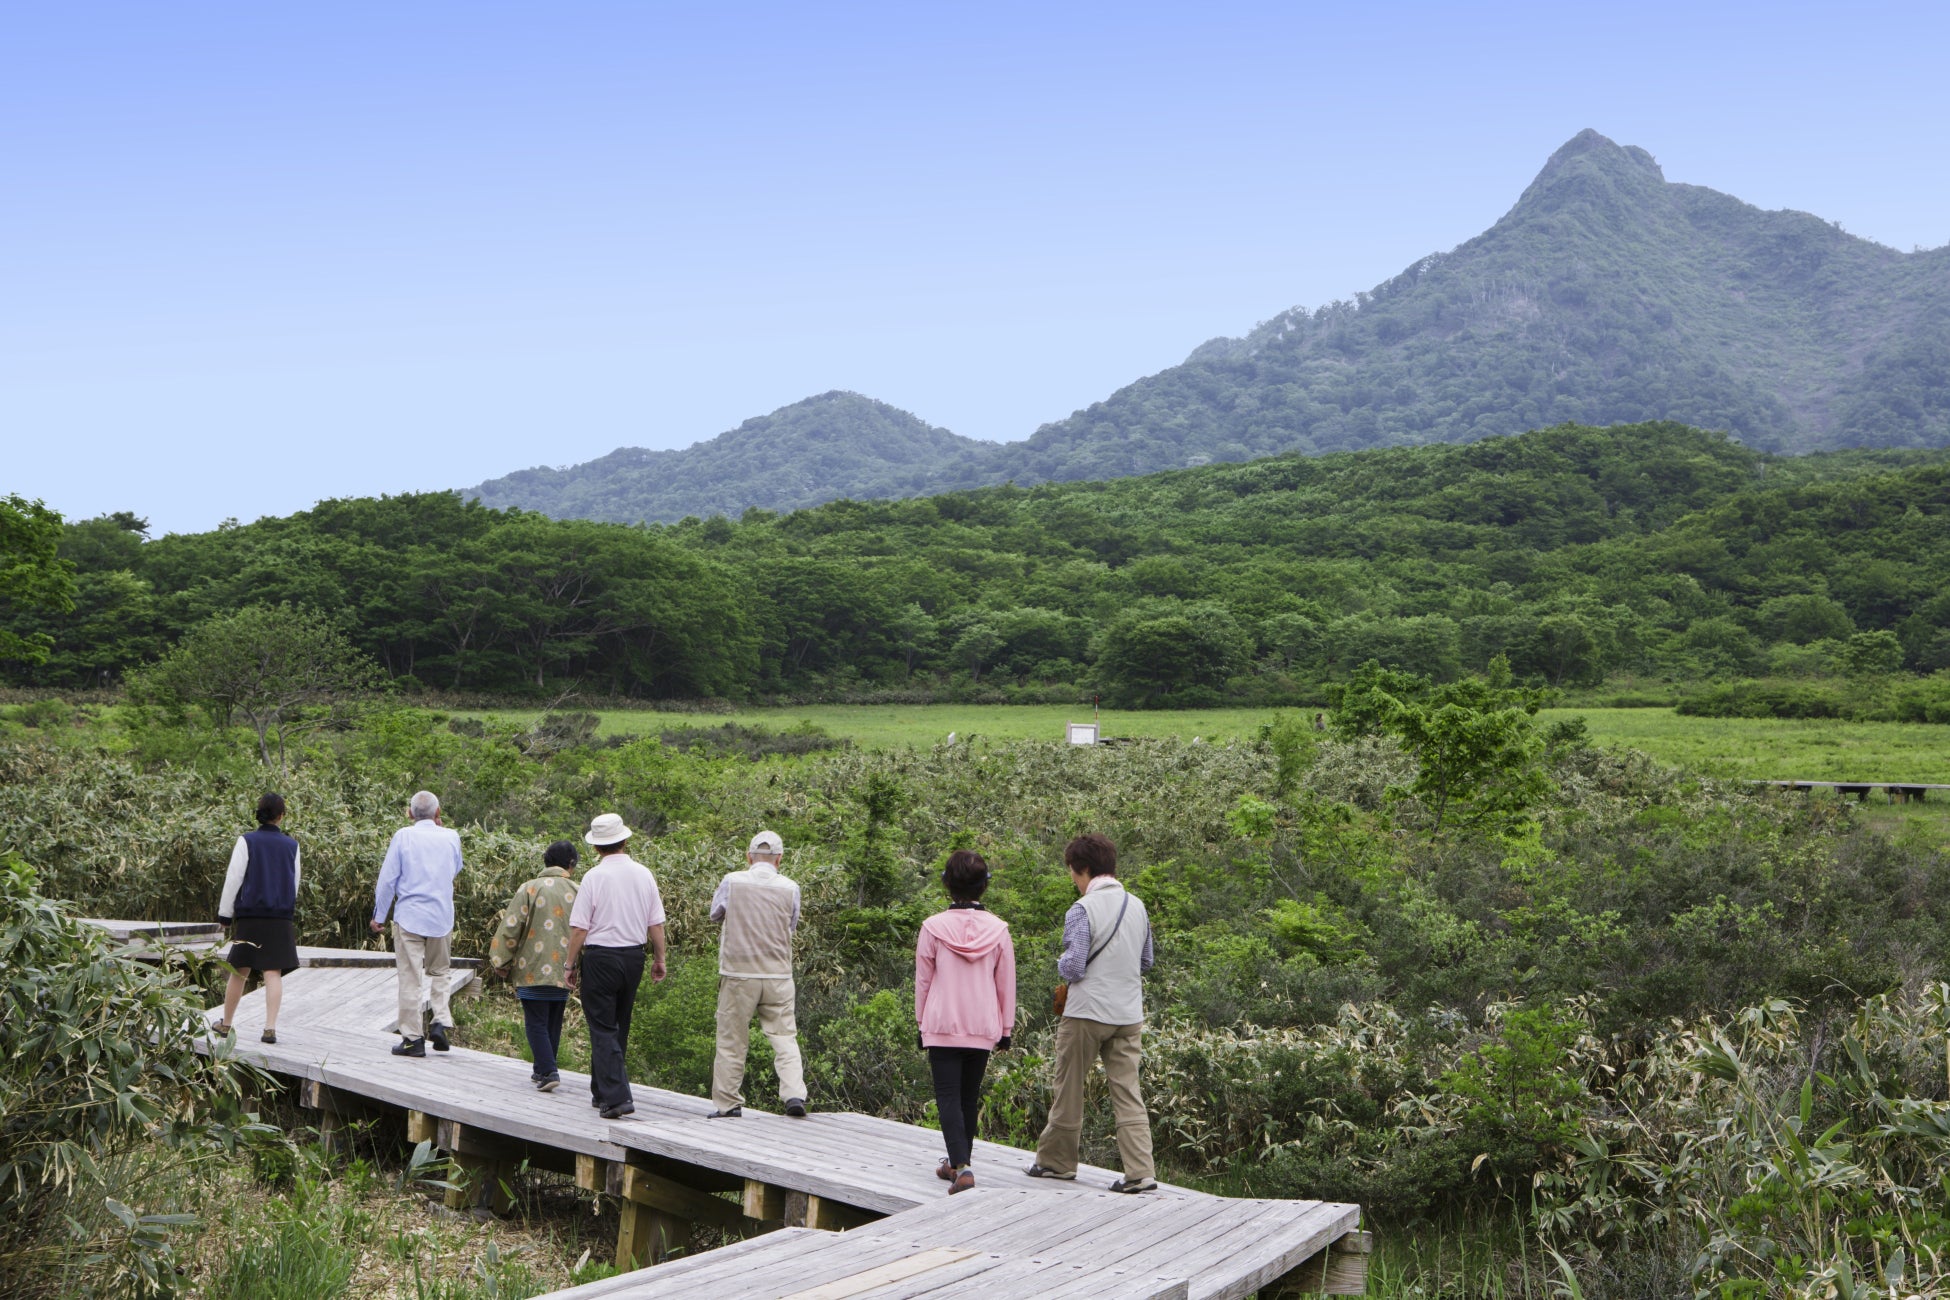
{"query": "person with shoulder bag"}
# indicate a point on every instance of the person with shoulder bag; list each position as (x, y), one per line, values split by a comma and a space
(1106, 950)
(965, 1001)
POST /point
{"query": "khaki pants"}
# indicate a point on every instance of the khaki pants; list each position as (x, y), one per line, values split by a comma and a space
(772, 1001)
(422, 962)
(1079, 1045)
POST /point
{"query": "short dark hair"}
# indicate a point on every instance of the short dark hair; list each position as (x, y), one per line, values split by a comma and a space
(270, 807)
(1093, 854)
(965, 876)
(561, 854)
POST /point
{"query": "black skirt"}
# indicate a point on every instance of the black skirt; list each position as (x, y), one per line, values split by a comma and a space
(264, 943)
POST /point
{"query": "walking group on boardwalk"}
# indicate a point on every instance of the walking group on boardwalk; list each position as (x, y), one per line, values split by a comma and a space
(594, 939)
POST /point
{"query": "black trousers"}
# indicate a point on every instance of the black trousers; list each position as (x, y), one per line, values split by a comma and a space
(958, 1096)
(543, 1023)
(609, 980)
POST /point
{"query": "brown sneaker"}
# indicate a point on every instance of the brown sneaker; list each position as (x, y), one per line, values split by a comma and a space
(945, 1171)
(964, 1179)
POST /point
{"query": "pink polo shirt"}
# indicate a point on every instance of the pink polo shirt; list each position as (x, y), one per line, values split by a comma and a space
(617, 904)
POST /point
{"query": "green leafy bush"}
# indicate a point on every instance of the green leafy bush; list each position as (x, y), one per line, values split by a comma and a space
(101, 1093)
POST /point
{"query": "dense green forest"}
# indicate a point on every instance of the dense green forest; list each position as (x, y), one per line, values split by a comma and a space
(1605, 295)
(1654, 551)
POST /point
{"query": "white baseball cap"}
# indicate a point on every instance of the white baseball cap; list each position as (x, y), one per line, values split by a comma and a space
(766, 842)
(606, 830)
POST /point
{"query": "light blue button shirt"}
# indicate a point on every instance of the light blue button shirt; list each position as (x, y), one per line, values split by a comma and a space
(417, 882)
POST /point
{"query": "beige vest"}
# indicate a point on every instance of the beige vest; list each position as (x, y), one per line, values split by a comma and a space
(1112, 990)
(757, 938)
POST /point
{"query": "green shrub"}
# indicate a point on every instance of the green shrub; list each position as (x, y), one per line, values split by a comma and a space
(102, 1093)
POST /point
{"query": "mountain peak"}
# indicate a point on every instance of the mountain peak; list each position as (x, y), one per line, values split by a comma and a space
(1594, 177)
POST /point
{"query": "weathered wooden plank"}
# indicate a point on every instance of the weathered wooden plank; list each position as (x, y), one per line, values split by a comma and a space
(672, 1197)
(835, 1216)
(871, 1279)
(1341, 1269)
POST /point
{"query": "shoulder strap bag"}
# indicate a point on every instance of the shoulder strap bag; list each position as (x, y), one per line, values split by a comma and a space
(1062, 996)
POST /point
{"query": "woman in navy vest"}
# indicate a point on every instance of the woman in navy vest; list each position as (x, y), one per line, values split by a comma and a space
(260, 892)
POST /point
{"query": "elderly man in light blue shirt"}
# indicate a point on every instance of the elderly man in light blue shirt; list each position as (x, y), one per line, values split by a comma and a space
(416, 885)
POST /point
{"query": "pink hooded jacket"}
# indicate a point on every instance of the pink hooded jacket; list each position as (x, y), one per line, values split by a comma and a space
(965, 979)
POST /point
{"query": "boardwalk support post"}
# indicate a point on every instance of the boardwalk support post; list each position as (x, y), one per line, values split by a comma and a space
(764, 1202)
(1341, 1269)
(334, 1109)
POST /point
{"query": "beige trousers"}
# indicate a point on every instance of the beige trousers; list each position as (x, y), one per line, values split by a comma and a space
(422, 963)
(1080, 1044)
(739, 999)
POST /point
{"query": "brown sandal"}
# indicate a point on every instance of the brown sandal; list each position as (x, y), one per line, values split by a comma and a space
(270, 1035)
(221, 1028)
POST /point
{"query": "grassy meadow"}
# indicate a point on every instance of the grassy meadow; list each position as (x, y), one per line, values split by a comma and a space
(1822, 749)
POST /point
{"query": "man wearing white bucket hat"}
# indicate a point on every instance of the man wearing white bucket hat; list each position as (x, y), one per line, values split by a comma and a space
(616, 910)
(759, 910)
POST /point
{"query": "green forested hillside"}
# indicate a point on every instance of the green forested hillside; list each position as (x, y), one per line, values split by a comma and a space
(1606, 295)
(833, 445)
(1572, 552)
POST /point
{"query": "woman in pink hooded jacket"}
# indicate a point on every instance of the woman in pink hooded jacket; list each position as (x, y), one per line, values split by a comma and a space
(965, 999)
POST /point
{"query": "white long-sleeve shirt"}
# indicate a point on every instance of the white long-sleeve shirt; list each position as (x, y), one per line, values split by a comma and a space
(233, 879)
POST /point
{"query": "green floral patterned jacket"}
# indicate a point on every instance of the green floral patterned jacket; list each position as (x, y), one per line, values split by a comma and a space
(533, 935)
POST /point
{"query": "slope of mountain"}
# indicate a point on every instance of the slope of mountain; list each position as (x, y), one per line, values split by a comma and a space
(1606, 295)
(834, 445)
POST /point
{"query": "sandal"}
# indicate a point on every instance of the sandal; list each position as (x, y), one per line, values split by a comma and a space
(220, 1028)
(270, 1035)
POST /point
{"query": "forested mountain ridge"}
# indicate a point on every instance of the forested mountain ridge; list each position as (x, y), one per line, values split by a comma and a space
(834, 445)
(1572, 552)
(1605, 295)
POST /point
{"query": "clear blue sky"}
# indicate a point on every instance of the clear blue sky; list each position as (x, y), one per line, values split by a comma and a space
(253, 255)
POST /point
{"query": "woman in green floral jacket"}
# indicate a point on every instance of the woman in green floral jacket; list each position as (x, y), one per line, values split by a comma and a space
(533, 939)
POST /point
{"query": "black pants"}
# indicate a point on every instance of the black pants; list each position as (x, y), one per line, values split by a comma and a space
(958, 1096)
(543, 1022)
(609, 980)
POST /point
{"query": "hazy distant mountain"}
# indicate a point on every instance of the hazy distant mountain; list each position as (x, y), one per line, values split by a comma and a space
(830, 446)
(1606, 295)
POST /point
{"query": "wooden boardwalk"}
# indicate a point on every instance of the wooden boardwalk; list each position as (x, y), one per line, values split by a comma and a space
(775, 1181)
(1897, 791)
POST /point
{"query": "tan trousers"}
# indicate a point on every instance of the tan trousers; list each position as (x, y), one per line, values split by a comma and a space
(772, 1002)
(1079, 1045)
(422, 962)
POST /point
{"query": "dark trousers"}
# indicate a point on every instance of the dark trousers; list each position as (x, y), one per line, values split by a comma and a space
(958, 1096)
(543, 1023)
(609, 980)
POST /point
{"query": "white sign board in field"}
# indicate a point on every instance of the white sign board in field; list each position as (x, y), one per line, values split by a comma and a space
(1083, 733)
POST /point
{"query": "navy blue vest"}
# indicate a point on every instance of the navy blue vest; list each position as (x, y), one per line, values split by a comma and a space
(270, 885)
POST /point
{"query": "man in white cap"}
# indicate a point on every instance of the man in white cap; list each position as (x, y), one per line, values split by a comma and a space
(616, 910)
(759, 910)
(416, 885)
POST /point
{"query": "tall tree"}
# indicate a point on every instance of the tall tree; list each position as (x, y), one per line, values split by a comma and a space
(269, 664)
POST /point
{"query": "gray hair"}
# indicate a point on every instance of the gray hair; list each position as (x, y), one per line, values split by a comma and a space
(425, 806)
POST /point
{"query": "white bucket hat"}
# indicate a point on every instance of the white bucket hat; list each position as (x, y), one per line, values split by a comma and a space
(606, 830)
